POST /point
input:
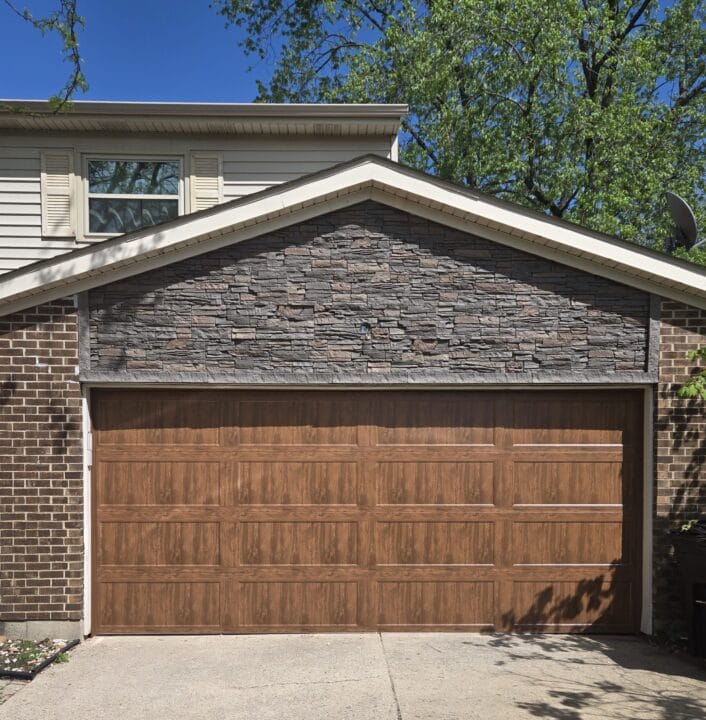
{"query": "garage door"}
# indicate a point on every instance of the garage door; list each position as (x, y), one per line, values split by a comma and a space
(227, 511)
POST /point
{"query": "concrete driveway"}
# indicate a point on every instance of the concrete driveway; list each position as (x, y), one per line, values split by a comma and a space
(385, 677)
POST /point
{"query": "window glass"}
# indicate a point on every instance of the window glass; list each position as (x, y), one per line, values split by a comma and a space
(119, 215)
(126, 195)
(133, 177)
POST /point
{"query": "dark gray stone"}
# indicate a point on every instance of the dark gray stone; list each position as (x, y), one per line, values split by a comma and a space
(373, 290)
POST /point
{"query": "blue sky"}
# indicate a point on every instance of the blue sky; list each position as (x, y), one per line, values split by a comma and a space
(168, 50)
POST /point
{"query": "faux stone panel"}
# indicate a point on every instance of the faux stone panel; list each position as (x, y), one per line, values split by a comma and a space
(368, 290)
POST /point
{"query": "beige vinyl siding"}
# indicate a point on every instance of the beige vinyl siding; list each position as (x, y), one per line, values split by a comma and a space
(263, 162)
(20, 210)
(249, 164)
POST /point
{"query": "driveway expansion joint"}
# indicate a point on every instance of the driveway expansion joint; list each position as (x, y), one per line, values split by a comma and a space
(392, 682)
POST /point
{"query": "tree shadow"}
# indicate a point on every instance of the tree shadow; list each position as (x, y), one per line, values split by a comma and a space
(683, 425)
(626, 677)
(618, 702)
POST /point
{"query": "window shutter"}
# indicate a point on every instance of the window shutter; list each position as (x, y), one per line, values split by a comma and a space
(57, 183)
(206, 181)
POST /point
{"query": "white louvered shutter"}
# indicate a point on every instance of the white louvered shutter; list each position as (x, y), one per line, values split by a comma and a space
(206, 181)
(58, 211)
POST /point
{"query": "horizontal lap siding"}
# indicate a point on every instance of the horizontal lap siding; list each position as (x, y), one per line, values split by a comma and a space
(20, 211)
(263, 162)
(250, 164)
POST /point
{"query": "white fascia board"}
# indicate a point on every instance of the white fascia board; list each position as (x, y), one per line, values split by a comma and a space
(580, 261)
(63, 271)
(537, 230)
(369, 178)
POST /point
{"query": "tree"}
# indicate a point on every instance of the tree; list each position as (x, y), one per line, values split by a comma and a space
(65, 22)
(584, 110)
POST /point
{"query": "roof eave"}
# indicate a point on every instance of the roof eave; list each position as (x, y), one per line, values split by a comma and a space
(28, 115)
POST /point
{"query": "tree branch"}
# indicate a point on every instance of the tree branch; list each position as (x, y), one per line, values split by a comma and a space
(64, 21)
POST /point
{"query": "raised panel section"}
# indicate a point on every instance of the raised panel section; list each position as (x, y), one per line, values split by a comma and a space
(158, 483)
(572, 542)
(436, 419)
(595, 600)
(167, 418)
(159, 543)
(292, 483)
(568, 483)
(434, 483)
(298, 543)
(297, 604)
(297, 422)
(432, 603)
(434, 543)
(558, 419)
(183, 606)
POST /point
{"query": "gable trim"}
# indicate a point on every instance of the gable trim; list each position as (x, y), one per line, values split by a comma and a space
(368, 178)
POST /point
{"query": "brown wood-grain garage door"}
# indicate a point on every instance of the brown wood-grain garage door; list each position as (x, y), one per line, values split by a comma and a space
(234, 511)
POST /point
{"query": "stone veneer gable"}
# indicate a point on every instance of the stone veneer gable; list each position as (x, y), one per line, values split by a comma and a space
(366, 291)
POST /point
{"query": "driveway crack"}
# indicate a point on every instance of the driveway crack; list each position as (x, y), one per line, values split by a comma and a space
(392, 682)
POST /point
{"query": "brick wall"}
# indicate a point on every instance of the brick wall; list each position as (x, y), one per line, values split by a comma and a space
(369, 290)
(41, 487)
(680, 451)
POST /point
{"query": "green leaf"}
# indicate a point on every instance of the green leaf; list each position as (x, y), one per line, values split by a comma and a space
(585, 111)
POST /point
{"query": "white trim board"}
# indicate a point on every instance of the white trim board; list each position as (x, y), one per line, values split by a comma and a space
(648, 484)
(367, 178)
(87, 509)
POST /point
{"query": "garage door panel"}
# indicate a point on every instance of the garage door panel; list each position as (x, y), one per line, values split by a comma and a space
(294, 605)
(448, 420)
(552, 482)
(179, 418)
(570, 418)
(434, 543)
(298, 543)
(158, 483)
(176, 606)
(434, 604)
(292, 483)
(593, 601)
(435, 483)
(569, 542)
(305, 421)
(159, 543)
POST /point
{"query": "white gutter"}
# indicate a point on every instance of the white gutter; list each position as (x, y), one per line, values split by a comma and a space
(206, 110)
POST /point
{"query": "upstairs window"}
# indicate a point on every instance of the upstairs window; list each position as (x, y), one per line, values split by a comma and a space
(126, 195)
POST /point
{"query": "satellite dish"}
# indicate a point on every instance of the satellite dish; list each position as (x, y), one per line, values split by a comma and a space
(685, 230)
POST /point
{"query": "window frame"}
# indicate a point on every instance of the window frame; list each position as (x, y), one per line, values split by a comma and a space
(126, 157)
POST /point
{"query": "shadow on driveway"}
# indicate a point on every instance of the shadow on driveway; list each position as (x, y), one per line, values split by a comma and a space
(616, 677)
(393, 676)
